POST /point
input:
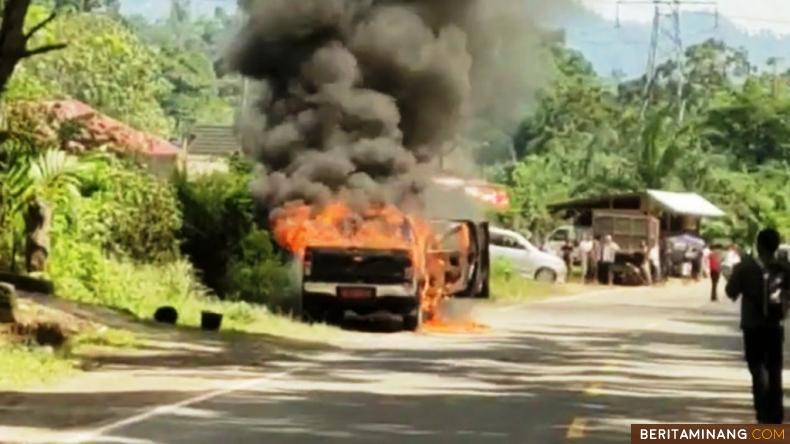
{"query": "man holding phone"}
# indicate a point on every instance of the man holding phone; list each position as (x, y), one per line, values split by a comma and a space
(763, 285)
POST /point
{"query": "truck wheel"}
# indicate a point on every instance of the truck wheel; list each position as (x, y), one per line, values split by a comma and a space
(413, 320)
(312, 312)
(311, 316)
(546, 275)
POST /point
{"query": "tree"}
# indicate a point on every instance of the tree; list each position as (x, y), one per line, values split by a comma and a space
(751, 124)
(105, 66)
(14, 39)
(662, 145)
(185, 49)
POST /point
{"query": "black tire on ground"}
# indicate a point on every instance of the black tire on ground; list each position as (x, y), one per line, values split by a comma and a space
(546, 275)
(166, 315)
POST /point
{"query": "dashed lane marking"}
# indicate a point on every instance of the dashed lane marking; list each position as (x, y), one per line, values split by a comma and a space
(577, 428)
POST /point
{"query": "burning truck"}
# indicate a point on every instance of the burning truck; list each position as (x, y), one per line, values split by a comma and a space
(382, 260)
(349, 104)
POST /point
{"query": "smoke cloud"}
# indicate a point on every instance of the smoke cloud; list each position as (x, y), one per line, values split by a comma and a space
(358, 98)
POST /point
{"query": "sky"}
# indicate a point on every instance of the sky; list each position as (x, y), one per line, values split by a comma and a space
(752, 16)
(762, 27)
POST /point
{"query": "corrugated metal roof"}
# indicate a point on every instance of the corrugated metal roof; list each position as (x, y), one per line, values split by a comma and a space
(689, 204)
(214, 139)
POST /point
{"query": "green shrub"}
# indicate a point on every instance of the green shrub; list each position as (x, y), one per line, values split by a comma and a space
(125, 210)
(256, 274)
(218, 214)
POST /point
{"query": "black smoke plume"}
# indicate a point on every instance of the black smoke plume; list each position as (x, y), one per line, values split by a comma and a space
(357, 98)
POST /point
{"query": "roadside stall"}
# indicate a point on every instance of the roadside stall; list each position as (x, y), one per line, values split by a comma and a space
(677, 217)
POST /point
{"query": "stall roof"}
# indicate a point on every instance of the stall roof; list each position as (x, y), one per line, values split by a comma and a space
(690, 204)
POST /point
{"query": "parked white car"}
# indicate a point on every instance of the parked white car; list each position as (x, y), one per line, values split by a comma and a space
(527, 259)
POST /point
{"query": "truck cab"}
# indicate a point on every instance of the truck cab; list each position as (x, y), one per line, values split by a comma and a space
(363, 281)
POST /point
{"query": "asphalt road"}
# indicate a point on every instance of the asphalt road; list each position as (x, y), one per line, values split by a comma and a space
(576, 369)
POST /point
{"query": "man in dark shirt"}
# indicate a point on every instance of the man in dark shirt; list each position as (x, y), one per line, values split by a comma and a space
(762, 283)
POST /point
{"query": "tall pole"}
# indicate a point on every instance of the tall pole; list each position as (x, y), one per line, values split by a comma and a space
(680, 59)
(666, 31)
(652, 54)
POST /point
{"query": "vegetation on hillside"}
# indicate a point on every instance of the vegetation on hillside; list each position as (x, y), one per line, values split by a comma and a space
(588, 136)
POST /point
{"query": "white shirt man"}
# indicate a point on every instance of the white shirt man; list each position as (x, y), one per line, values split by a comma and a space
(585, 250)
(654, 256)
(609, 251)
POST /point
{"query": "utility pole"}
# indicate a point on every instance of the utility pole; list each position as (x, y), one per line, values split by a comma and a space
(666, 35)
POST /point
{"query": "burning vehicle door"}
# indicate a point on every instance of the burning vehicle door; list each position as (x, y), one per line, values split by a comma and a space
(463, 246)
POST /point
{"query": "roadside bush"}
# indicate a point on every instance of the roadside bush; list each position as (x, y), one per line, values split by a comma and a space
(125, 210)
(256, 274)
(218, 214)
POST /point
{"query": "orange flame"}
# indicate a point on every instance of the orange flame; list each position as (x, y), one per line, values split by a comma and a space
(297, 227)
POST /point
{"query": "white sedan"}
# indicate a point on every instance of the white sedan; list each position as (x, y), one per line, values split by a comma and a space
(527, 259)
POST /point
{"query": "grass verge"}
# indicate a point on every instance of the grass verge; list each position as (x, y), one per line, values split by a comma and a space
(22, 366)
(139, 289)
(519, 289)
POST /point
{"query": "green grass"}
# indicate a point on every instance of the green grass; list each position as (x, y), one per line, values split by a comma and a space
(22, 367)
(509, 286)
(139, 289)
(516, 288)
(106, 337)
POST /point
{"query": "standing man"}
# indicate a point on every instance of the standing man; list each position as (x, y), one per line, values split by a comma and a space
(714, 268)
(586, 251)
(644, 266)
(654, 255)
(609, 250)
(595, 259)
(567, 256)
(763, 284)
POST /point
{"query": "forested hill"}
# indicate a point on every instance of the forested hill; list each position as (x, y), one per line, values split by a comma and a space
(612, 49)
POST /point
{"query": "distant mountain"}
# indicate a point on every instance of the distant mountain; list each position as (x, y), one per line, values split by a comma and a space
(609, 48)
(625, 48)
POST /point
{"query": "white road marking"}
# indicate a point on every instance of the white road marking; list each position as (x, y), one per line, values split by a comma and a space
(577, 429)
(160, 410)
